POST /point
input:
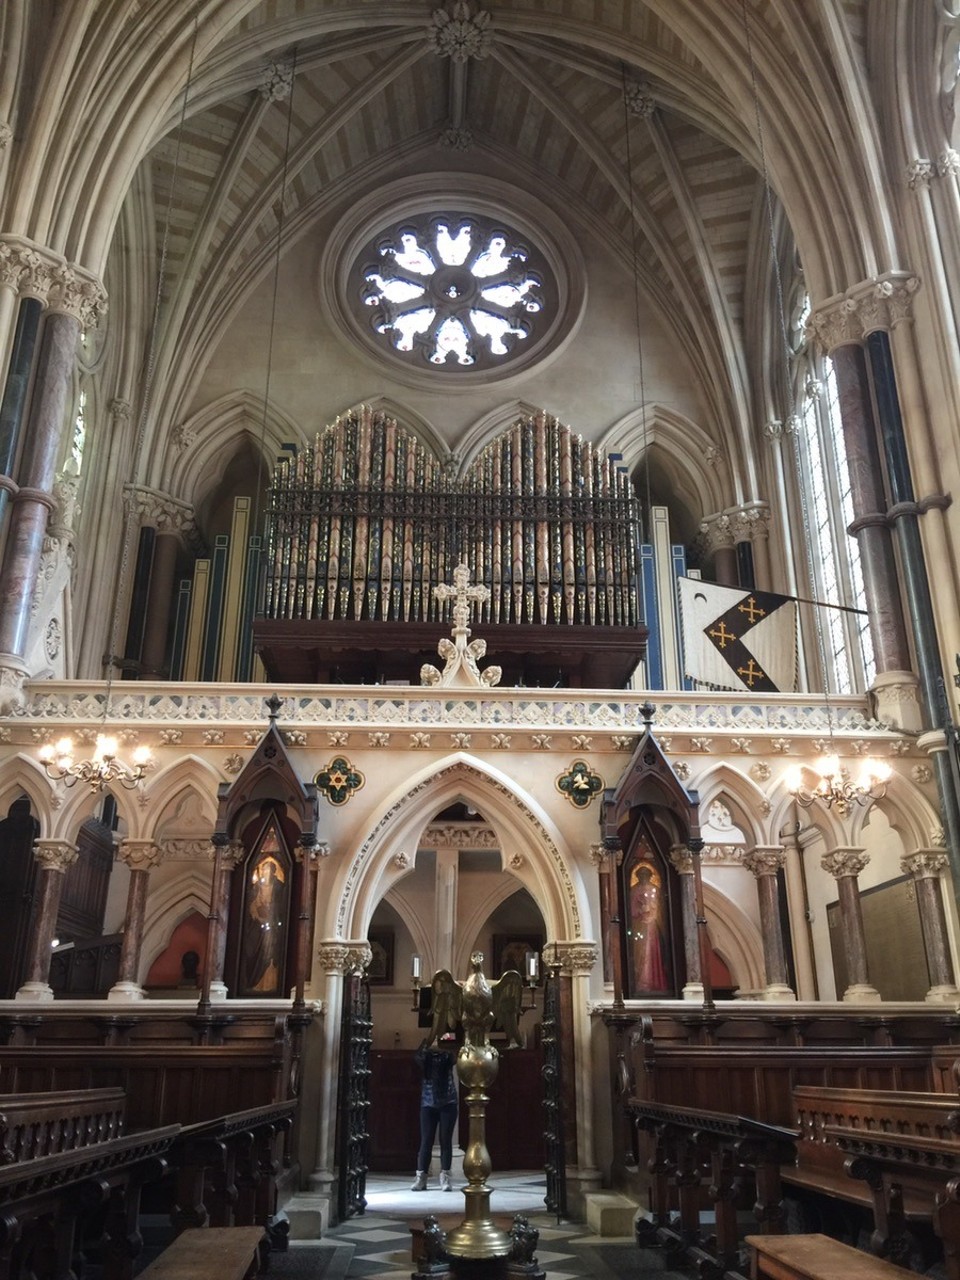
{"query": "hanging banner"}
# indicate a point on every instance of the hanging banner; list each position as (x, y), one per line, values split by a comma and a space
(735, 639)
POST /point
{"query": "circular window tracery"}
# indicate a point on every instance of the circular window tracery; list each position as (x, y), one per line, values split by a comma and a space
(455, 291)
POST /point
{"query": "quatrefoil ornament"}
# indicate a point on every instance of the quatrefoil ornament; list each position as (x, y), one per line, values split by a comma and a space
(339, 780)
(579, 784)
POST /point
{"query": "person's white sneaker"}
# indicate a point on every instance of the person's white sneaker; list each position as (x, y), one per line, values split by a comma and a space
(445, 1183)
(420, 1181)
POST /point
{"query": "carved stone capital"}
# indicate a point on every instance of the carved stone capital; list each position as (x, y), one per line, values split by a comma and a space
(572, 957)
(159, 510)
(924, 864)
(844, 862)
(881, 303)
(717, 532)
(765, 860)
(63, 517)
(140, 855)
(342, 955)
(681, 859)
(750, 523)
(120, 409)
(919, 173)
(55, 855)
(78, 294)
(232, 855)
(6, 135)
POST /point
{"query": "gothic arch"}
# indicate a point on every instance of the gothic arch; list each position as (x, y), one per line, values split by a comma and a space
(907, 811)
(410, 419)
(169, 906)
(682, 445)
(721, 781)
(186, 777)
(185, 472)
(488, 426)
(735, 938)
(540, 860)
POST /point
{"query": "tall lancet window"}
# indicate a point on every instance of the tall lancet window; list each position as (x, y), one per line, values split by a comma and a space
(833, 555)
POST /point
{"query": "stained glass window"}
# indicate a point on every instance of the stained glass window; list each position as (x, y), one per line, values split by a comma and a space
(455, 291)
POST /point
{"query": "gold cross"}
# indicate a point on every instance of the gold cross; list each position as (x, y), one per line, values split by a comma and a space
(752, 610)
(750, 672)
(463, 597)
(722, 635)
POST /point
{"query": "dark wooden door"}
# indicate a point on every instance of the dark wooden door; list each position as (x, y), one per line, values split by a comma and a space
(394, 1111)
(514, 1112)
(354, 1097)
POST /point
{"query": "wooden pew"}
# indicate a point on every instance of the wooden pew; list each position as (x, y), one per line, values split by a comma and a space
(815, 1257)
(44, 1199)
(731, 1155)
(226, 1169)
(228, 1253)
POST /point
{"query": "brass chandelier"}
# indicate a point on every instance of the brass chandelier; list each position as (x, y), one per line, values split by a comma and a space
(834, 787)
(104, 769)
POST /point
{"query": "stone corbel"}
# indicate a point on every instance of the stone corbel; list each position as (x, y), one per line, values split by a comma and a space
(344, 956)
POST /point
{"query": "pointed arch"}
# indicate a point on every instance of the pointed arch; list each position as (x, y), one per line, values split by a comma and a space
(186, 776)
(540, 859)
(721, 781)
(735, 938)
(682, 446)
(169, 906)
(410, 419)
(908, 812)
(23, 775)
(186, 471)
(489, 425)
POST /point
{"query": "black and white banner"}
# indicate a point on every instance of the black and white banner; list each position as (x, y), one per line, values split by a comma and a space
(736, 639)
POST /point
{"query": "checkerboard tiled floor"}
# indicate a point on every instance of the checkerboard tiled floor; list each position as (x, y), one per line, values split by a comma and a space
(567, 1251)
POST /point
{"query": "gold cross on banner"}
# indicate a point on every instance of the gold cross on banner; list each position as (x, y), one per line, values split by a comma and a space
(722, 635)
(752, 610)
(750, 672)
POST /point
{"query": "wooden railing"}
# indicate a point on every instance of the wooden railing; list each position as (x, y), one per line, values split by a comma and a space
(42, 1124)
(728, 1161)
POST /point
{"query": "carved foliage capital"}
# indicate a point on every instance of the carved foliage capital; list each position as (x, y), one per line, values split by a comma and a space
(924, 863)
(340, 955)
(881, 303)
(159, 510)
(844, 862)
(765, 860)
(55, 855)
(681, 859)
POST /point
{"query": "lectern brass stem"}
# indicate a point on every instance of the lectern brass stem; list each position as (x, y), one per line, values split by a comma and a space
(477, 1236)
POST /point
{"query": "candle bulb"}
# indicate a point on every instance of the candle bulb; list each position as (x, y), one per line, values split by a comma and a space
(415, 968)
(533, 966)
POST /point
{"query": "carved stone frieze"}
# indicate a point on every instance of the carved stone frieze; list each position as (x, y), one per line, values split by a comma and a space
(140, 855)
(55, 855)
(187, 850)
(720, 855)
(344, 956)
(924, 863)
(765, 860)
(459, 835)
(844, 862)
(881, 303)
(572, 957)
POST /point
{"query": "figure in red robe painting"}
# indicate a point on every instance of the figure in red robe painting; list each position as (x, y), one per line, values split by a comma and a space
(647, 936)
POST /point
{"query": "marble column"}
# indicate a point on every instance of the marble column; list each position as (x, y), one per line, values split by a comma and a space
(337, 957)
(606, 859)
(841, 327)
(926, 866)
(53, 857)
(682, 860)
(845, 866)
(13, 403)
(764, 861)
(227, 856)
(751, 524)
(34, 499)
(141, 856)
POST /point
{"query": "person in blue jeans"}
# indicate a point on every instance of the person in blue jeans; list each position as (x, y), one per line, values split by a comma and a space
(439, 1097)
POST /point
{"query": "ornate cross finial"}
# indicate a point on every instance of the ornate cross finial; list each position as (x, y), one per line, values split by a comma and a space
(461, 658)
(463, 597)
(273, 707)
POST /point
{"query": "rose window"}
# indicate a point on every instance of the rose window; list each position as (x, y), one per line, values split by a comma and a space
(455, 291)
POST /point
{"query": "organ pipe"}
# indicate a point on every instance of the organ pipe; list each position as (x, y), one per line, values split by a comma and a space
(366, 523)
